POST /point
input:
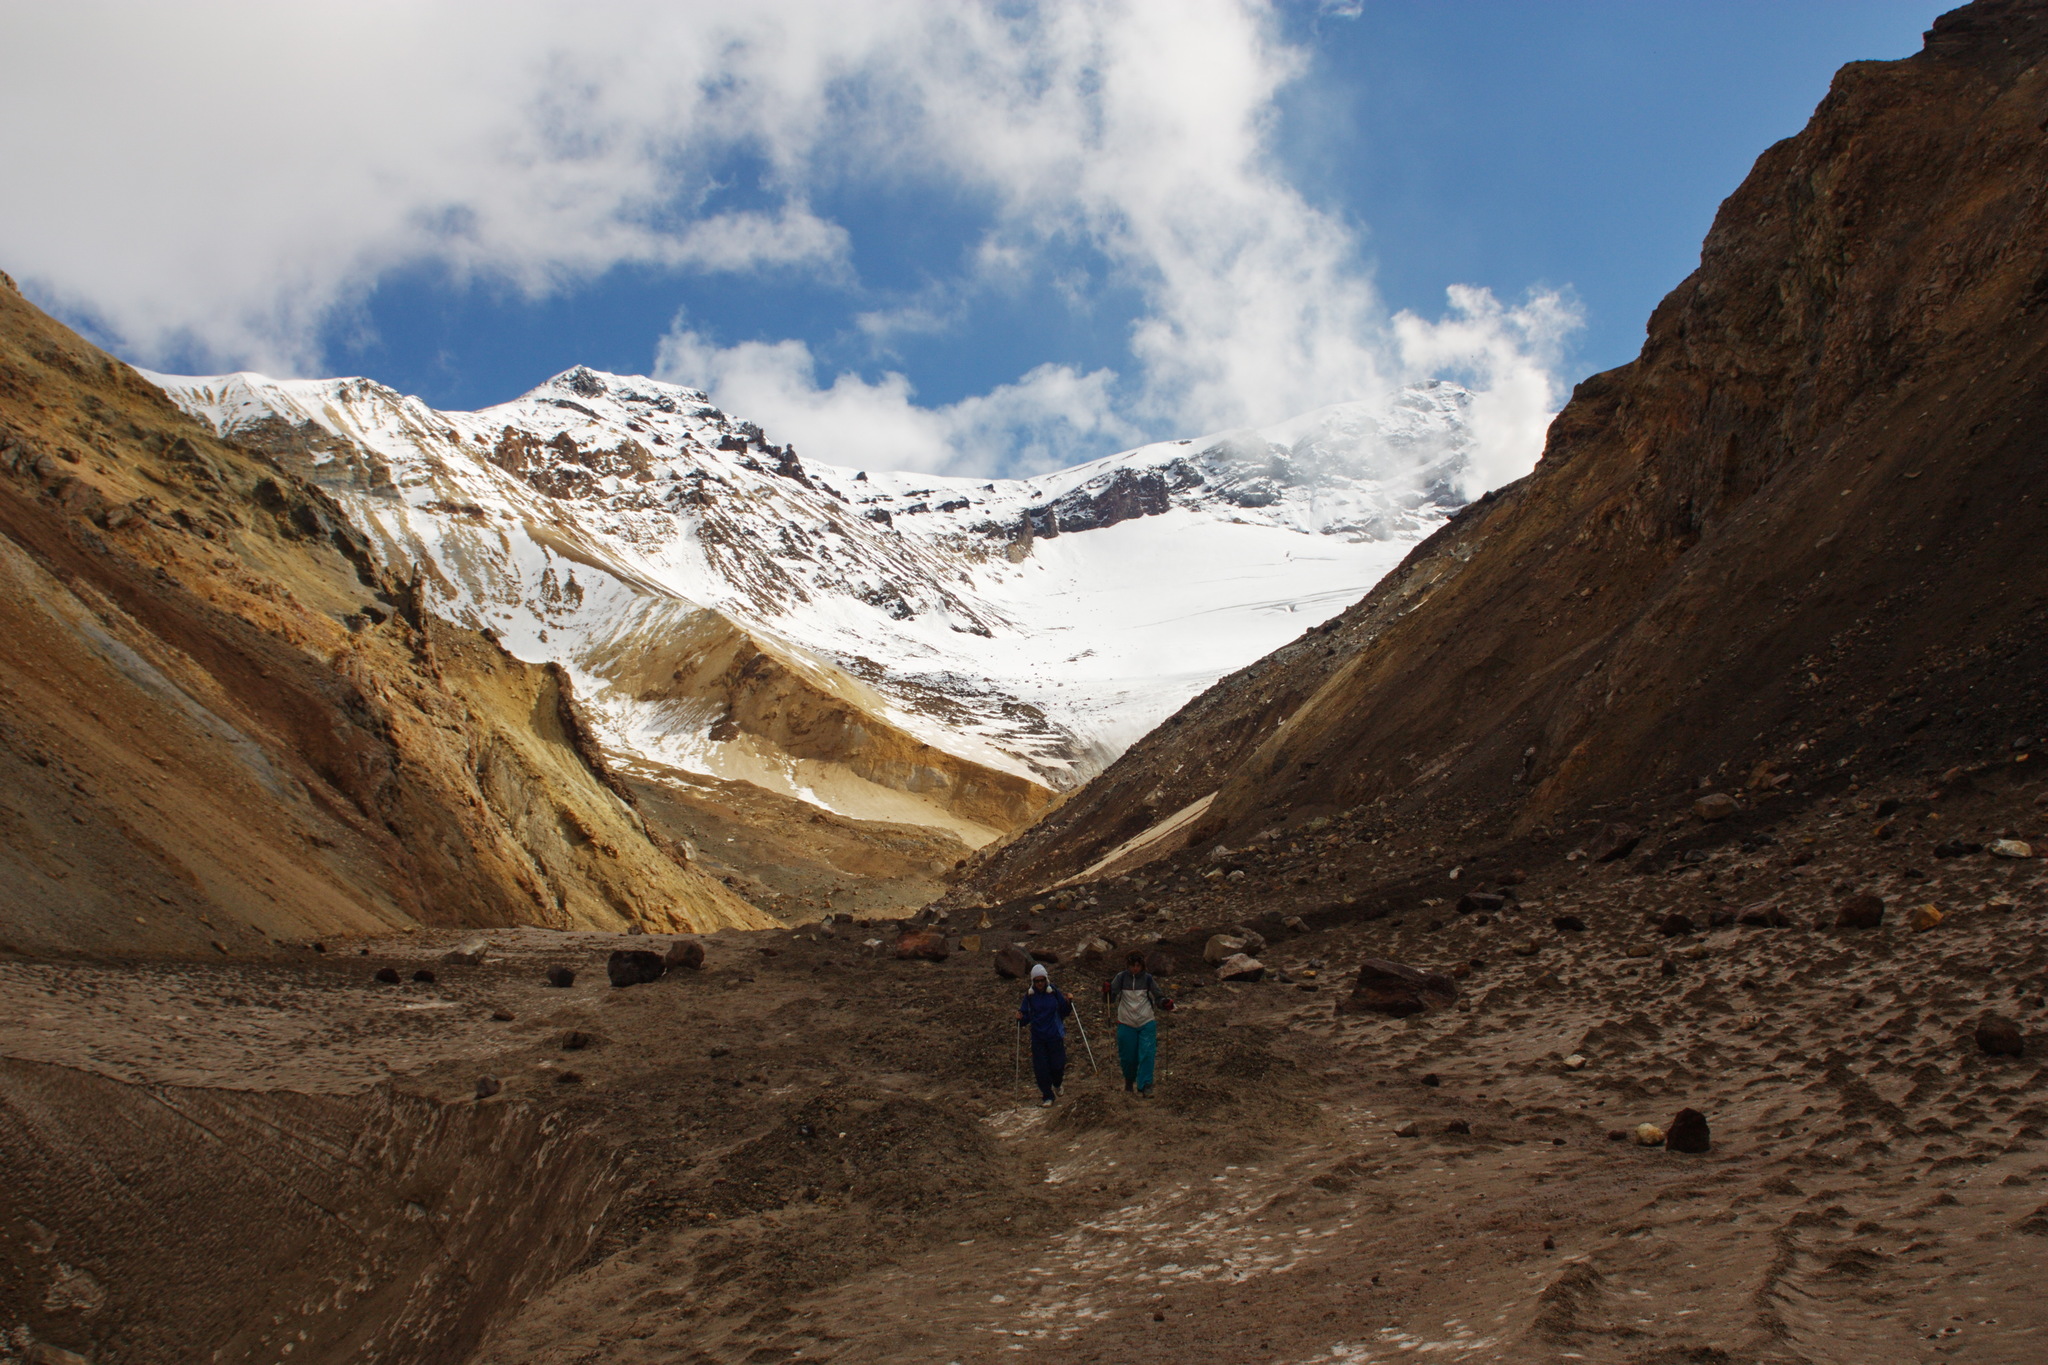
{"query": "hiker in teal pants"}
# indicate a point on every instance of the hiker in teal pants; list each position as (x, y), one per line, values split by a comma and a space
(1134, 1002)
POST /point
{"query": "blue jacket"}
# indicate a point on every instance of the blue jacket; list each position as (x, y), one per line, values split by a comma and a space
(1046, 1012)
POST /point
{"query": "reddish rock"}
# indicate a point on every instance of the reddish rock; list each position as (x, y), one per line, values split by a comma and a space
(687, 954)
(561, 977)
(1568, 924)
(1715, 806)
(2000, 1037)
(1012, 962)
(1675, 924)
(928, 945)
(1860, 912)
(386, 975)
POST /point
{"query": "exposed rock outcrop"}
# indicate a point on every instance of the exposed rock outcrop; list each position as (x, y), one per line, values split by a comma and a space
(1797, 536)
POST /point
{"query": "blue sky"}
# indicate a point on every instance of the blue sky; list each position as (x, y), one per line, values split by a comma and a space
(979, 237)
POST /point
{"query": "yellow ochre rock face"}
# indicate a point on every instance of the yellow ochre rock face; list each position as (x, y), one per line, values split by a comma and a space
(225, 721)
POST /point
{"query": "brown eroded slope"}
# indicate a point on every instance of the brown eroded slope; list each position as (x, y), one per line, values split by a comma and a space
(224, 727)
(1804, 528)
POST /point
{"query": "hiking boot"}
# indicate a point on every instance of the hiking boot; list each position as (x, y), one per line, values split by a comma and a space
(1144, 1094)
(1045, 1104)
(1130, 1089)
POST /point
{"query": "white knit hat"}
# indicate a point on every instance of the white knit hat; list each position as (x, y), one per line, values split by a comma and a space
(1038, 970)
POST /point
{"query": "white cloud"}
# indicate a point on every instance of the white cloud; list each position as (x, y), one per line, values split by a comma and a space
(229, 175)
(1032, 425)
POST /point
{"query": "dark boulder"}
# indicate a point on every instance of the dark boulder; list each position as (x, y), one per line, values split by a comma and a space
(634, 967)
(1860, 912)
(1385, 987)
(386, 975)
(1676, 924)
(1763, 917)
(561, 977)
(685, 954)
(1012, 962)
(487, 1086)
(424, 976)
(1688, 1133)
(1614, 841)
(2000, 1037)
(1160, 962)
(1569, 924)
(576, 1040)
(1482, 901)
(1956, 848)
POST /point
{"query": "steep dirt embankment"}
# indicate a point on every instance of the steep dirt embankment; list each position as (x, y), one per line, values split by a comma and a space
(380, 1226)
(224, 727)
(1804, 528)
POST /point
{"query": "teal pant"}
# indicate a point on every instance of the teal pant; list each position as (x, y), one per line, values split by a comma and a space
(1135, 1048)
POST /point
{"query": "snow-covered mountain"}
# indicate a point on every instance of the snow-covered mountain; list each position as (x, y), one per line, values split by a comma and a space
(904, 647)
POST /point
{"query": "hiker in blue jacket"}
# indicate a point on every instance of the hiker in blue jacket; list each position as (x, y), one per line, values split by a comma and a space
(1044, 1011)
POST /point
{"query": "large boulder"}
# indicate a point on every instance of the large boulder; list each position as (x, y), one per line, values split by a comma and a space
(1012, 962)
(685, 953)
(1222, 946)
(1240, 967)
(561, 977)
(467, 953)
(1614, 841)
(2000, 1037)
(1860, 912)
(1689, 1133)
(1160, 961)
(1715, 806)
(1385, 987)
(928, 945)
(634, 967)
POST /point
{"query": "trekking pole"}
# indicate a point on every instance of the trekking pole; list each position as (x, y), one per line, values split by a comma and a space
(1016, 1053)
(1096, 1070)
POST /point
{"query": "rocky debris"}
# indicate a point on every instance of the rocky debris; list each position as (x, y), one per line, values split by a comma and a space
(1614, 841)
(1998, 1036)
(576, 1040)
(386, 975)
(1568, 924)
(1689, 1132)
(1715, 806)
(1924, 917)
(43, 1353)
(1956, 848)
(1763, 916)
(1676, 924)
(503, 1016)
(1295, 924)
(1865, 911)
(467, 953)
(926, 945)
(487, 1086)
(1160, 962)
(1240, 967)
(1648, 1135)
(1395, 988)
(634, 967)
(1480, 902)
(425, 976)
(1049, 956)
(1094, 949)
(1459, 1127)
(568, 1078)
(561, 977)
(2010, 848)
(1012, 962)
(1575, 1062)
(685, 954)
(1409, 1129)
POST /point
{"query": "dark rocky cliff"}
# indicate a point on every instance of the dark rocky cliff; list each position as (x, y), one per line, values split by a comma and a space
(1801, 536)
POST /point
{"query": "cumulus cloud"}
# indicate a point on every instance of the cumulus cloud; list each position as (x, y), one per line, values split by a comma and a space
(222, 178)
(1032, 425)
